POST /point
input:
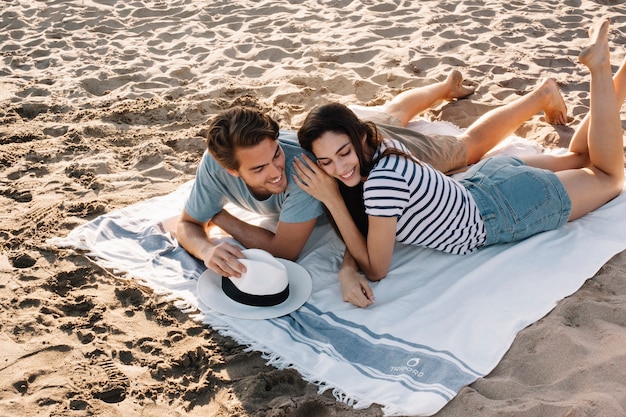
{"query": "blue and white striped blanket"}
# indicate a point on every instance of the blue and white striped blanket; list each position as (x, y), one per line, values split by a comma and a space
(439, 322)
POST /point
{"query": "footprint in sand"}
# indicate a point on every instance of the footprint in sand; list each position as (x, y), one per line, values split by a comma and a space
(101, 377)
(22, 260)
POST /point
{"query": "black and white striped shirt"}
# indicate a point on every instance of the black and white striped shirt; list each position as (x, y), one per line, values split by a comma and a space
(433, 210)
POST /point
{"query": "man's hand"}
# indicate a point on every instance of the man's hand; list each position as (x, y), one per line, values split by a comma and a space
(223, 259)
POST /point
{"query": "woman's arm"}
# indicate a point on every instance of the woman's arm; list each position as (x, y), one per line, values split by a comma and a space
(374, 254)
(355, 287)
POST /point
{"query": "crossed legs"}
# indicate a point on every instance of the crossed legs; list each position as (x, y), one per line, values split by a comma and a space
(600, 134)
(578, 143)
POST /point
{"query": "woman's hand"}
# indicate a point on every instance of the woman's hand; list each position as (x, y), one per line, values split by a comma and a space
(355, 288)
(315, 181)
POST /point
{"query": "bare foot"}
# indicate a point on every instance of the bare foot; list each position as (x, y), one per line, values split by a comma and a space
(555, 108)
(597, 54)
(457, 89)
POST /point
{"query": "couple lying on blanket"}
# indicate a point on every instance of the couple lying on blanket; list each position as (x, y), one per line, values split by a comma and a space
(381, 182)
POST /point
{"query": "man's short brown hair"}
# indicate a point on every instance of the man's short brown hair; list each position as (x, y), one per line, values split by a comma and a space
(238, 127)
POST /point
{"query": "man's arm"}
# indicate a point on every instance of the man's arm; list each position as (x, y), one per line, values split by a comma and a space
(221, 258)
(287, 242)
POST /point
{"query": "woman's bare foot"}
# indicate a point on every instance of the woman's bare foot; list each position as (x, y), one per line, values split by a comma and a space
(456, 87)
(554, 108)
(597, 54)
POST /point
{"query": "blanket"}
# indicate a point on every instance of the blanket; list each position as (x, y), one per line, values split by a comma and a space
(439, 322)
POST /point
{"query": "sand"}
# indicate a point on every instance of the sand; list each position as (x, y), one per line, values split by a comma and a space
(103, 104)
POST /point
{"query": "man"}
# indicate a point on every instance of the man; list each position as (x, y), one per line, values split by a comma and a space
(248, 166)
(249, 163)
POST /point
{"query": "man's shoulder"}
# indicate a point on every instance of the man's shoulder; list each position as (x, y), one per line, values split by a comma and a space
(211, 170)
(291, 149)
(209, 163)
(208, 160)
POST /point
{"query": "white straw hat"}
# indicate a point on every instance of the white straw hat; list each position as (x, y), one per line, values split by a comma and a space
(270, 287)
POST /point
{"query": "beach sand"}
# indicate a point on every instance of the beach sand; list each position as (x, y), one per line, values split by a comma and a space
(103, 104)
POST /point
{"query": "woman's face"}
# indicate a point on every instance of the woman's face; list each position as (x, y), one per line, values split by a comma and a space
(337, 157)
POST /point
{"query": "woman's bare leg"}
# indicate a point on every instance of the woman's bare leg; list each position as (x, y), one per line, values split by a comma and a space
(408, 104)
(497, 124)
(591, 187)
(578, 143)
(578, 157)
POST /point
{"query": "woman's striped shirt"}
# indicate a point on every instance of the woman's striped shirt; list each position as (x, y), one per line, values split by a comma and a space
(433, 210)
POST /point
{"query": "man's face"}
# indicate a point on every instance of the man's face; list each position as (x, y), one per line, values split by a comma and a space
(262, 168)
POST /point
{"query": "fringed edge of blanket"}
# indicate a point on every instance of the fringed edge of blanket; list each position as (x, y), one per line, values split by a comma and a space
(274, 359)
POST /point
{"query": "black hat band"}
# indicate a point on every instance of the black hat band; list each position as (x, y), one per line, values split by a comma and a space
(234, 293)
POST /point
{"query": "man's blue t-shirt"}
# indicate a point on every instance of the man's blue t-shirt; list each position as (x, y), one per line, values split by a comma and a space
(213, 188)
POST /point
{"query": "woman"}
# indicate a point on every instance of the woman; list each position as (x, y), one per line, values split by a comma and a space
(500, 199)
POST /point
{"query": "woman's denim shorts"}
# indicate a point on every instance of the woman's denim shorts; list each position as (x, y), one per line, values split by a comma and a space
(516, 201)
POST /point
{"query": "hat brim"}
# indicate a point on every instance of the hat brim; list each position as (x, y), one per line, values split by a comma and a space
(300, 286)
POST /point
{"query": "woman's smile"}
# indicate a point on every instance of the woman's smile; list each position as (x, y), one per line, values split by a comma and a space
(336, 156)
(347, 175)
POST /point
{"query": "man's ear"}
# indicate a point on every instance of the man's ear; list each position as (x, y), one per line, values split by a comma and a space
(233, 172)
